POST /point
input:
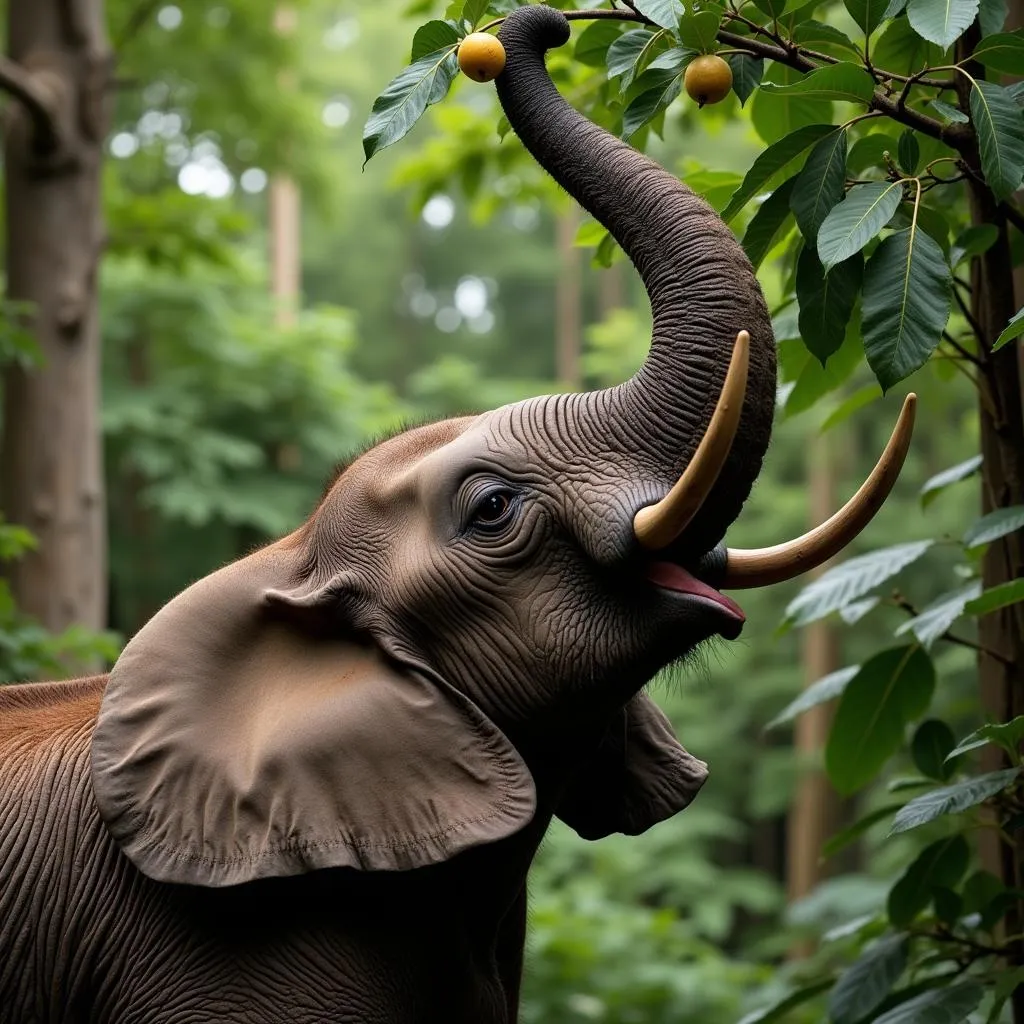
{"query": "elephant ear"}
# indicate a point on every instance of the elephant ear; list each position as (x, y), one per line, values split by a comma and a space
(245, 733)
(639, 775)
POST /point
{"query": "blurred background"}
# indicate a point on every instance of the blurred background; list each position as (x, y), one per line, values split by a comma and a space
(268, 306)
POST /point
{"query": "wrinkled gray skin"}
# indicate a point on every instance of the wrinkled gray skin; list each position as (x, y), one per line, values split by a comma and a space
(544, 618)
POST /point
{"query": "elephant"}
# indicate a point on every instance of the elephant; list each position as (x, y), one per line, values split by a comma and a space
(311, 787)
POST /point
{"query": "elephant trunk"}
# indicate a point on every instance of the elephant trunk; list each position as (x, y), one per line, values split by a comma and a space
(701, 286)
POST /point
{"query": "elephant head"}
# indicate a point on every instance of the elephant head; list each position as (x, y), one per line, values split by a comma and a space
(456, 640)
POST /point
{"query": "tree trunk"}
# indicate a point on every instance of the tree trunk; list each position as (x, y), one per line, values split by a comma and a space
(51, 470)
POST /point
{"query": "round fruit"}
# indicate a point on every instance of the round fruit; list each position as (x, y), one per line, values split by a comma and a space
(481, 56)
(708, 79)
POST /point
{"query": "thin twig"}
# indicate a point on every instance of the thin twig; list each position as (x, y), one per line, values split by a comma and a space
(1013, 215)
(969, 317)
(963, 353)
(20, 83)
(911, 609)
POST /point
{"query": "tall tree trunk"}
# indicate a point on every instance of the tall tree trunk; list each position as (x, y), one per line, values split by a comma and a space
(51, 472)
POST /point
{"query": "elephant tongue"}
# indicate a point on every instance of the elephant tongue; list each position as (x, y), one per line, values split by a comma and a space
(675, 577)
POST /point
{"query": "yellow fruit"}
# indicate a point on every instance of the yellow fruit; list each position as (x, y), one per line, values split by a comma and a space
(708, 79)
(481, 56)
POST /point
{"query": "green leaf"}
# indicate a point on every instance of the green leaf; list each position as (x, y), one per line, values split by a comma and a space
(433, 36)
(951, 1004)
(941, 21)
(899, 48)
(826, 301)
(665, 86)
(851, 224)
(842, 81)
(948, 904)
(594, 42)
(867, 13)
(895, 8)
(778, 1010)
(951, 115)
(935, 485)
(992, 16)
(908, 152)
(861, 398)
(930, 747)
(852, 579)
(1000, 127)
(853, 613)
(1000, 523)
(1003, 52)
(747, 72)
(775, 117)
(815, 380)
(997, 597)
(1014, 329)
(825, 689)
(772, 8)
(776, 159)
(951, 799)
(474, 10)
(866, 982)
(628, 53)
(941, 864)
(820, 36)
(675, 59)
(1007, 735)
(849, 835)
(665, 13)
(973, 241)
(891, 689)
(765, 225)
(698, 31)
(907, 296)
(402, 103)
(820, 184)
(940, 614)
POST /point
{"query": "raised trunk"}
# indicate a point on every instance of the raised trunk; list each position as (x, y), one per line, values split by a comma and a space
(51, 478)
(701, 285)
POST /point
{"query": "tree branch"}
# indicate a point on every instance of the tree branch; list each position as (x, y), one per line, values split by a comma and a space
(136, 21)
(20, 83)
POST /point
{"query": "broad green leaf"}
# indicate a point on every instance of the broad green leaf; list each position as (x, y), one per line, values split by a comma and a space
(474, 10)
(861, 398)
(402, 103)
(826, 301)
(853, 613)
(765, 225)
(1014, 329)
(1000, 127)
(747, 72)
(594, 42)
(1003, 52)
(852, 223)
(992, 16)
(895, 7)
(819, 36)
(908, 152)
(825, 689)
(867, 981)
(851, 580)
(773, 162)
(815, 380)
(891, 690)
(940, 614)
(907, 296)
(433, 36)
(943, 863)
(971, 242)
(867, 13)
(665, 86)
(776, 117)
(996, 524)
(930, 747)
(820, 184)
(951, 1004)
(951, 799)
(849, 835)
(778, 1010)
(951, 115)
(842, 81)
(675, 59)
(1004, 988)
(941, 21)
(665, 13)
(773, 8)
(698, 31)
(935, 485)
(627, 55)
(997, 597)
(1007, 735)
(899, 48)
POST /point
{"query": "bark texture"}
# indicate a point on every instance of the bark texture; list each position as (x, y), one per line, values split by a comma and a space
(51, 474)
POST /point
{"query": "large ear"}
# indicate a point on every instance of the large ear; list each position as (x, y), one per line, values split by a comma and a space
(639, 775)
(238, 739)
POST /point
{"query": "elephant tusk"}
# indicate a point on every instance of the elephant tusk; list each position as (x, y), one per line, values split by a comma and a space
(761, 567)
(656, 526)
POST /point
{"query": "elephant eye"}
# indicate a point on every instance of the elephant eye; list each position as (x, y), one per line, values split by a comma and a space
(494, 508)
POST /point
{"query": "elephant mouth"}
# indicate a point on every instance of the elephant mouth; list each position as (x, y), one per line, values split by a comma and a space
(673, 577)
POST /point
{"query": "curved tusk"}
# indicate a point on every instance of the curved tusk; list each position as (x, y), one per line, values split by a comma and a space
(760, 567)
(656, 526)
